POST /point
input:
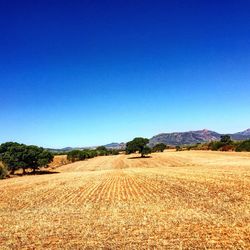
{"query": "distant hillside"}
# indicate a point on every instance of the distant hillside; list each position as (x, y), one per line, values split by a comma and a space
(241, 135)
(65, 150)
(193, 137)
(173, 139)
(115, 145)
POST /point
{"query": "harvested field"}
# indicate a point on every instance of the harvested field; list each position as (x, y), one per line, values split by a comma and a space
(58, 161)
(173, 200)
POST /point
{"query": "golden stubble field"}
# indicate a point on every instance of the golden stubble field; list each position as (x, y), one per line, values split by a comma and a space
(173, 200)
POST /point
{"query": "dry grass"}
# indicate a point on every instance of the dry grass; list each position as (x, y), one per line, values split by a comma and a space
(59, 160)
(174, 200)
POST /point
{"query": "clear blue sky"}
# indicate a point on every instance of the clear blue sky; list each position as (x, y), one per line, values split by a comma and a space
(81, 73)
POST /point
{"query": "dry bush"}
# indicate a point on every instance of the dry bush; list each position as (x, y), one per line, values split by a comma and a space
(227, 148)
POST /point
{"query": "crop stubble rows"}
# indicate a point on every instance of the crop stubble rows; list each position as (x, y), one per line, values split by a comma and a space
(168, 201)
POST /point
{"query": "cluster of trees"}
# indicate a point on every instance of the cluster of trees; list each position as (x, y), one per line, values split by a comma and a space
(80, 155)
(16, 156)
(102, 150)
(225, 144)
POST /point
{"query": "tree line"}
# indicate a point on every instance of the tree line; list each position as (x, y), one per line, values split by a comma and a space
(80, 155)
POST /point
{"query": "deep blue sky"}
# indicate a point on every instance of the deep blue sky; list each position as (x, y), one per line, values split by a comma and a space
(79, 73)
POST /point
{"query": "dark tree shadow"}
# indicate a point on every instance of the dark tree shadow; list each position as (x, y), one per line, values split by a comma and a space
(138, 157)
(38, 172)
(41, 172)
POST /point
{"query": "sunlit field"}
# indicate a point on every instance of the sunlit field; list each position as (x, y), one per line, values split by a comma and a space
(172, 200)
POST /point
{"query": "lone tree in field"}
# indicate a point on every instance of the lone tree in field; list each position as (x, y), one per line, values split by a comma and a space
(138, 144)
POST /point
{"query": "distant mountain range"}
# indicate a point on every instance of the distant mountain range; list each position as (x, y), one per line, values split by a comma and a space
(173, 139)
(113, 145)
(62, 150)
(193, 137)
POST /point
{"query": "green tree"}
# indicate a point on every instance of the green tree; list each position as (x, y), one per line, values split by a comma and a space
(44, 158)
(138, 144)
(226, 139)
(80, 155)
(16, 156)
(101, 148)
(215, 145)
(83, 154)
(103, 152)
(13, 156)
(160, 147)
(74, 155)
(36, 157)
(145, 151)
(92, 153)
(5, 146)
(114, 152)
(243, 146)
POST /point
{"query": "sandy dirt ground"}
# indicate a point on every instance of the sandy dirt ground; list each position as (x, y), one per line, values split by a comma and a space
(172, 200)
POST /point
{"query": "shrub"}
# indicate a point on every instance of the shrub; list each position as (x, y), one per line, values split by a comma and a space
(160, 147)
(101, 148)
(243, 146)
(227, 148)
(215, 145)
(102, 152)
(114, 152)
(92, 153)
